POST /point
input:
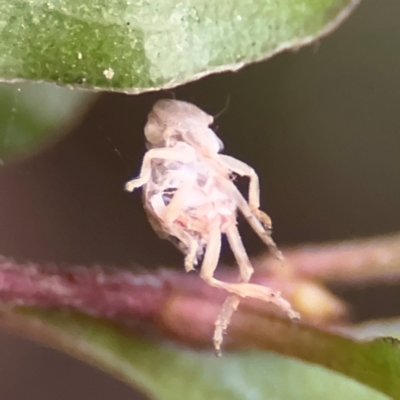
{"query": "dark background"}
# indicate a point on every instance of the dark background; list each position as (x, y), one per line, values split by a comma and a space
(321, 127)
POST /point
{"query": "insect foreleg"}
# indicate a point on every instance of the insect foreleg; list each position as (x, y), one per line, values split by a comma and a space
(162, 153)
(175, 208)
(173, 211)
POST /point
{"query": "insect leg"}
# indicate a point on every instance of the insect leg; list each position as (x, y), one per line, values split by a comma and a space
(190, 244)
(162, 153)
(236, 244)
(235, 289)
(232, 302)
(211, 258)
(242, 169)
(190, 258)
(224, 318)
(263, 230)
(175, 207)
(259, 221)
(210, 263)
(172, 211)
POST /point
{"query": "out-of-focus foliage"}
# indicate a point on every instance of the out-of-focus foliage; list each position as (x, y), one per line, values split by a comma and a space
(33, 114)
(167, 372)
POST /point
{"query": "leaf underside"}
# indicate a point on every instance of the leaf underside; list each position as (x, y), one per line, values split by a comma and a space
(134, 46)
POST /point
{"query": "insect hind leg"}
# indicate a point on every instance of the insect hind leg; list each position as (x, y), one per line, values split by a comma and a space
(237, 290)
(232, 302)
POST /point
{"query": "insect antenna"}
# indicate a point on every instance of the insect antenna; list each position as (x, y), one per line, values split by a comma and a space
(172, 94)
(224, 109)
(119, 154)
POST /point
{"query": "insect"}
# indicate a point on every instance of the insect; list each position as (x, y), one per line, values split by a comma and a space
(190, 198)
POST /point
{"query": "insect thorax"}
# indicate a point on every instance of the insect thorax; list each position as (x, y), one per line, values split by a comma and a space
(204, 202)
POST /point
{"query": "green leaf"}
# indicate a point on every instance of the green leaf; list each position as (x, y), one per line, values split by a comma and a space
(167, 372)
(375, 328)
(34, 114)
(137, 45)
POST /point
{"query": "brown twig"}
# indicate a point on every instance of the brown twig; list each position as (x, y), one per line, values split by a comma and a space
(362, 261)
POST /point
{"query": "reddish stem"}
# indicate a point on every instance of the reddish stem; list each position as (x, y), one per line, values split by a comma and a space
(122, 294)
(374, 260)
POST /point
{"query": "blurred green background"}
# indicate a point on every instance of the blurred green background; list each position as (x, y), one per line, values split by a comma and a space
(321, 127)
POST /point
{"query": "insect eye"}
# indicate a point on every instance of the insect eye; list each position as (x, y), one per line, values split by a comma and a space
(153, 133)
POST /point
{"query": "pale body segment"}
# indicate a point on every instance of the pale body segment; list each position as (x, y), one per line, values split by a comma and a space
(190, 198)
